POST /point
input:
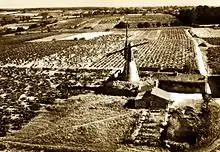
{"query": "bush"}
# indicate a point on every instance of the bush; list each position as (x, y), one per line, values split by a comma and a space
(121, 25)
(146, 24)
(140, 25)
(186, 68)
(158, 24)
(20, 29)
(199, 129)
(209, 128)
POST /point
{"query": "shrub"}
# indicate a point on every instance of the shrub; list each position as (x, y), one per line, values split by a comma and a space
(208, 130)
(199, 129)
(140, 25)
(20, 29)
(186, 68)
(121, 25)
(146, 24)
(158, 24)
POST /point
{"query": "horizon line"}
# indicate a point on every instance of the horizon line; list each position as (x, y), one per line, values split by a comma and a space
(40, 7)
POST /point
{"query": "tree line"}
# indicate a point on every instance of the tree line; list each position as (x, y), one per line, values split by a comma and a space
(200, 15)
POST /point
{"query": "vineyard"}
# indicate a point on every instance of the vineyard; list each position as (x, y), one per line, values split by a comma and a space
(144, 35)
(213, 40)
(59, 54)
(69, 53)
(171, 52)
(23, 91)
(167, 50)
(213, 55)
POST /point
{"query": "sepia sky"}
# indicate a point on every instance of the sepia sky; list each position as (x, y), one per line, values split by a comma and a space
(115, 3)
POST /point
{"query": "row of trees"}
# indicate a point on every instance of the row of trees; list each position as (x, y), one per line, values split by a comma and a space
(157, 24)
(200, 15)
(148, 24)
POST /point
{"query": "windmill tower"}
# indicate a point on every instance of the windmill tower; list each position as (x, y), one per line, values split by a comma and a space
(130, 72)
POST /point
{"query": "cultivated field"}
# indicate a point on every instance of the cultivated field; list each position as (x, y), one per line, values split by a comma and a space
(53, 37)
(213, 56)
(172, 51)
(144, 35)
(36, 74)
(76, 50)
(59, 54)
(23, 91)
(212, 41)
(167, 50)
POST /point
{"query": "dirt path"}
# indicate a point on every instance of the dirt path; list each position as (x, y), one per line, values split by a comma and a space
(90, 123)
(99, 121)
(201, 63)
(199, 57)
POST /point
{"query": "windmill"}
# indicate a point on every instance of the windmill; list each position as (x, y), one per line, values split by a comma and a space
(130, 72)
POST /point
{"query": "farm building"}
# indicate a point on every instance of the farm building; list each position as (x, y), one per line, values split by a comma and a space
(154, 99)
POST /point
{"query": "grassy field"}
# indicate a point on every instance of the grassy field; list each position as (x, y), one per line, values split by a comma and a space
(96, 122)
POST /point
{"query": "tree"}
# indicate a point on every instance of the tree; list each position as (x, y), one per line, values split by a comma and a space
(158, 24)
(121, 24)
(146, 24)
(20, 29)
(200, 15)
(140, 25)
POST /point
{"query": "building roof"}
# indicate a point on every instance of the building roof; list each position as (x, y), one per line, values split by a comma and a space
(161, 93)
